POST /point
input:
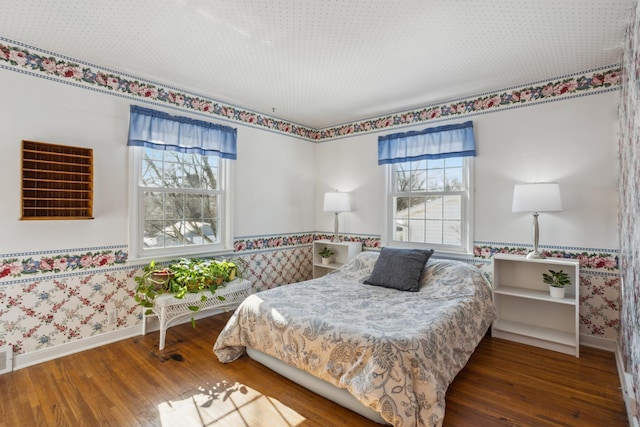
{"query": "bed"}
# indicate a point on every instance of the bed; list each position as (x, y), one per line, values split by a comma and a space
(395, 352)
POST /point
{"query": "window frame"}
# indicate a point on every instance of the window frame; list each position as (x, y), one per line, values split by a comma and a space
(136, 215)
(466, 212)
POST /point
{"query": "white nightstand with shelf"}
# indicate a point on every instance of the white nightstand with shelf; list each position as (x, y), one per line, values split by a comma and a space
(343, 252)
(526, 313)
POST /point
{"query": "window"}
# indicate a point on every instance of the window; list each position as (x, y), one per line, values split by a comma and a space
(429, 202)
(429, 187)
(180, 185)
(181, 200)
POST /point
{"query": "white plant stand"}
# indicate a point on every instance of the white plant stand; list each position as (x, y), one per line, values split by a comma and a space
(168, 308)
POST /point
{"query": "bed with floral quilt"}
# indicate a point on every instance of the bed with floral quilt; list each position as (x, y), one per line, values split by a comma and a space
(395, 351)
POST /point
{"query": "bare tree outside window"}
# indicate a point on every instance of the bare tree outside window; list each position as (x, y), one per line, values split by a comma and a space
(181, 199)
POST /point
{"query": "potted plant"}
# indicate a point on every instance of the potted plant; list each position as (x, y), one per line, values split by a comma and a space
(153, 282)
(179, 277)
(557, 280)
(326, 255)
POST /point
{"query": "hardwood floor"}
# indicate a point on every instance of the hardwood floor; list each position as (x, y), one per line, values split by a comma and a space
(131, 383)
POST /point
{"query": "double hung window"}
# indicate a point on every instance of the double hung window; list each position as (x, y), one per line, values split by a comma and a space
(180, 192)
(429, 187)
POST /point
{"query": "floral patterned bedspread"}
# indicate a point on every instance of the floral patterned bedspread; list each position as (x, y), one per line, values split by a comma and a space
(396, 352)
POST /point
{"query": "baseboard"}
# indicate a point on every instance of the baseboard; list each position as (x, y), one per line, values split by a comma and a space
(6, 359)
(39, 356)
(598, 342)
(33, 358)
(626, 385)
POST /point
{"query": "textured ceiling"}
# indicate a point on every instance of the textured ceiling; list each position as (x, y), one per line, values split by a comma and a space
(321, 63)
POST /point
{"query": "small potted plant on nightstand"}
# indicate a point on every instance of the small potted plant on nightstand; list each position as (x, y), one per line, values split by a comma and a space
(557, 280)
(326, 255)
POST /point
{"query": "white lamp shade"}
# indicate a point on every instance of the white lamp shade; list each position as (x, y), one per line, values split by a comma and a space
(337, 202)
(537, 197)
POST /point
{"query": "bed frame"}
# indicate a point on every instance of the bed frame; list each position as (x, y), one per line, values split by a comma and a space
(325, 389)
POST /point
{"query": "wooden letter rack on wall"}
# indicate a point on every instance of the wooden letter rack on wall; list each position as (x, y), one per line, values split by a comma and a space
(57, 181)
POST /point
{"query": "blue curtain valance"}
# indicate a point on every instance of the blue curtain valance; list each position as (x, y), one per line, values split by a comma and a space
(162, 131)
(431, 143)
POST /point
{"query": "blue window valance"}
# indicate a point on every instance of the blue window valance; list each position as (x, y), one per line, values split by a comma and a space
(431, 143)
(162, 131)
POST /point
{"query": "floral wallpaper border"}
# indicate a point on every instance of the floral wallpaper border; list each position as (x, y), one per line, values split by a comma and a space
(601, 259)
(244, 244)
(65, 261)
(16, 56)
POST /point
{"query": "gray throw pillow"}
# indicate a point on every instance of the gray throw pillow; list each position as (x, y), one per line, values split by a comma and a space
(399, 269)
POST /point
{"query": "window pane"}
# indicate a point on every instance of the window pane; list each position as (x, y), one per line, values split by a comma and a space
(193, 206)
(402, 180)
(210, 173)
(191, 176)
(434, 231)
(401, 232)
(210, 207)
(172, 175)
(417, 210)
(173, 233)
(153, 205)
(419, 180)
(435, 180)
(452, 234)
(416, 231)
(434, 208)
(153, 237)
(452, 207)
(401, 207)
(453, 179)
(210, 231)
(174, 206)
(151, 173)
(195, 232)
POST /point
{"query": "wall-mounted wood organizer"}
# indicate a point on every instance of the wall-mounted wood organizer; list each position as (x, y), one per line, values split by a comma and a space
(57, 181)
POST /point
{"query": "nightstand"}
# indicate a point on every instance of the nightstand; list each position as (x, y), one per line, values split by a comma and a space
(343, 252)
(526, 313)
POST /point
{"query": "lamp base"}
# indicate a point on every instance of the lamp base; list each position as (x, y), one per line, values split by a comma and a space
(535, 255)
(335, 239)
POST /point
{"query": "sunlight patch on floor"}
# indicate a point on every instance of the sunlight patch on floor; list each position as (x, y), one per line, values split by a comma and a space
(227, 404)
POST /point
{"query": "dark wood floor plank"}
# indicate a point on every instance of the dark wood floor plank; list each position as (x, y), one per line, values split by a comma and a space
(132, 383)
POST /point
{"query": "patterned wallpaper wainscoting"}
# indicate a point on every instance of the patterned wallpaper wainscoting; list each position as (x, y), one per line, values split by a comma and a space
(629, 196)
(276, 260)
(46, 312)
(46, 307)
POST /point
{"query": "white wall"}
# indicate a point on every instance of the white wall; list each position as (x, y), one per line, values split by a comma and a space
(274, 190)
(572, 142)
